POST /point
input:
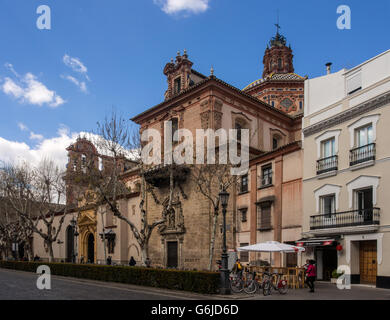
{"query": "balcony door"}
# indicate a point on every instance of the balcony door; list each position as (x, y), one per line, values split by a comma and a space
(364, 136)
(364, 203)
(328, 148)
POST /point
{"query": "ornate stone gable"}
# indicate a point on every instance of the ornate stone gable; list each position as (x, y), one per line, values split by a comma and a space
(174, 223)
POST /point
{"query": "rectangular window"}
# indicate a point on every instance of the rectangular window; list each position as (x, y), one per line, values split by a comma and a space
(175, 127)
(328, 205)
(244, 183)
(244, 255)
(274, 143)
(243, 213)
(264, 216)
(266, 175)
(177, 85)
(364, 136)
(328, 148)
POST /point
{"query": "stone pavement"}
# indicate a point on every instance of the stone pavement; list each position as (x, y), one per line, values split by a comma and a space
(18, 285)
(324, 291)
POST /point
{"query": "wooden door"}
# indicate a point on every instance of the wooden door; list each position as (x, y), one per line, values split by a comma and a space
(368, 262)
(172, 255)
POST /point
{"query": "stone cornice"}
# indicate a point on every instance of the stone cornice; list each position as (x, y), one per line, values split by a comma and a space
(348, 114)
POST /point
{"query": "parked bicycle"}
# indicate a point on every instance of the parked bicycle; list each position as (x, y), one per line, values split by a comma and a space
(236, 282)
(274, 281)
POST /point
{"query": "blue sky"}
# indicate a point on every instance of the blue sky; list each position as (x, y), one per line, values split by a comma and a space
(103, 54)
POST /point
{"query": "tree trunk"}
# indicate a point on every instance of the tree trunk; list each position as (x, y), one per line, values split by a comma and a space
(212, 241)
(51, 254)
(144, 254)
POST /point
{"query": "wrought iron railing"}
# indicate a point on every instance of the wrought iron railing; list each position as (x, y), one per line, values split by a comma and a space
(361, 217)
(362, 154)
(327, 164)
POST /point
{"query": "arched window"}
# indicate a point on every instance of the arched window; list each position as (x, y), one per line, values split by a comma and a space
(84, 163)
(100, 164)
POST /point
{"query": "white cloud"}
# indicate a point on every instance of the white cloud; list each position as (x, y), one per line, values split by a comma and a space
(29, 90)
(80, 84)
(76, 65)
(14, 152)
(54, 149)
(22, 126)
(186, 6)
(35, 136)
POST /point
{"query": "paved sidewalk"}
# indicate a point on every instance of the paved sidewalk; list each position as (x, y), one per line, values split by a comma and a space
(324, 291)
(19, 285)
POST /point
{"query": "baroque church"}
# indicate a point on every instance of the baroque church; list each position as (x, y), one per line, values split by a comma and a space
(271, 108)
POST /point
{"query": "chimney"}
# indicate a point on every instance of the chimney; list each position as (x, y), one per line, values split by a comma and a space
(328, 65)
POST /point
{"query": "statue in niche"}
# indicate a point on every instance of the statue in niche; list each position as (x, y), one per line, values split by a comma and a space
(171, 219)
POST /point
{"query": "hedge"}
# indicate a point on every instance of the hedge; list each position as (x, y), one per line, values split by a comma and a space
(194, 281)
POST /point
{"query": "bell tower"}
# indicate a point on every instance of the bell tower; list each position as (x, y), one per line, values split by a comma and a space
(278, 58)
(178, 75)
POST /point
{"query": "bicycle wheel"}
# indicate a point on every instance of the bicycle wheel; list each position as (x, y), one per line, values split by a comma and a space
(250, 287)
(236, 285)
(266, 288)
(282, 287)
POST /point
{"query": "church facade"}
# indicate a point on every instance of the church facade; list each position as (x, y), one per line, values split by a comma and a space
(270, 108)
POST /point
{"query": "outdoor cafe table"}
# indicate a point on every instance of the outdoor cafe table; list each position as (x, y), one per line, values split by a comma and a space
(294, 276)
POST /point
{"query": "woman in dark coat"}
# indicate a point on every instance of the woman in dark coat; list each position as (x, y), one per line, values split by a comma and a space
(132, 262)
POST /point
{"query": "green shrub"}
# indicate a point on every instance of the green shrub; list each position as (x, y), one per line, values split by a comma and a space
(336, 275)
(194, 281)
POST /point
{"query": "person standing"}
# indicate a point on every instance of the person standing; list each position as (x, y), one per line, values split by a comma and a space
(311, 274)
(132, 262)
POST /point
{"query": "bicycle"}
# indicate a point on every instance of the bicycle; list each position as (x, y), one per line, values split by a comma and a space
(274, 281)
(236, 283)
(253, 284)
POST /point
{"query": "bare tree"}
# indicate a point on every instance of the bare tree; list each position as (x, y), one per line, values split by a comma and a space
(116, 140)
(38, 195)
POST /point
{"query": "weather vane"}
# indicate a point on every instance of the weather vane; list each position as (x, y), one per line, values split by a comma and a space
(277, 23)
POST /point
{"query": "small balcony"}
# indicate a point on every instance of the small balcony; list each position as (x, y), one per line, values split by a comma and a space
(363, 217)
(362, 154)
(327, 164)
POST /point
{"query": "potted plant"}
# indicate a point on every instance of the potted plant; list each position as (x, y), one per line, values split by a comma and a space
(335, 276)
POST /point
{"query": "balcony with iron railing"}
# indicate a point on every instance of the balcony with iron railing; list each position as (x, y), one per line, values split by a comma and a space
(362, 217)
(327, 164)
(362, 154)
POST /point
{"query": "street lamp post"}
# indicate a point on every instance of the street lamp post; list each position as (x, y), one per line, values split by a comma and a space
(73, 224)
(225, 283)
